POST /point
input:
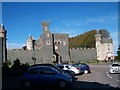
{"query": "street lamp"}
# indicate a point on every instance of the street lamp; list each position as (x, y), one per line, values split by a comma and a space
(34, 59)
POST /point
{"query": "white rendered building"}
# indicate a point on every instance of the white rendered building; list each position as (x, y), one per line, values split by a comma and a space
(104, 48)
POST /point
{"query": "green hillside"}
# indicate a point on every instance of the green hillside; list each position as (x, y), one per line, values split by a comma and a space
(84, 40)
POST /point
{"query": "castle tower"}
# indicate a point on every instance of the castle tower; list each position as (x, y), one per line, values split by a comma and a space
(47, 42)
(3, 33)
(61, 47)
(98, 45)
(104, 48)
(30, 43)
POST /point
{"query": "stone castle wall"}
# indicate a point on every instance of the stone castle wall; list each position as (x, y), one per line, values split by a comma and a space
(76, 55)
(83, 55)
(25, 56)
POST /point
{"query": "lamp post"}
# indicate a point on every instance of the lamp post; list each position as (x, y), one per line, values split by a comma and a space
(34, 58)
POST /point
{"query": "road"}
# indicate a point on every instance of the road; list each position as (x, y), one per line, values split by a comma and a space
(99, 78)
(100, 74)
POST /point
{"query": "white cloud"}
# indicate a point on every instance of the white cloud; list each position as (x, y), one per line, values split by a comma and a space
(14, 45)
(103, 19)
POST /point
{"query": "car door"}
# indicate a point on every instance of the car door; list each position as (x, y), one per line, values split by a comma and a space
(119, 68)
(48, 76)
(33, 75)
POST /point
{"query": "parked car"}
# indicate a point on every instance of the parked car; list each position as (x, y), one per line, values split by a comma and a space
(70, 68)
(83, 67)
(44, 75)
(68, 72)
(72, 73)
(115, 68)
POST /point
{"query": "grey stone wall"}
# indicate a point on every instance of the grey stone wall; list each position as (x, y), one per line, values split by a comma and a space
(26, 56)
(64, 50)
(83, 55)
(76, 55)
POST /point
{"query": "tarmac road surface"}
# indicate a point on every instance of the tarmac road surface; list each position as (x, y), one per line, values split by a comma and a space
(100, 74)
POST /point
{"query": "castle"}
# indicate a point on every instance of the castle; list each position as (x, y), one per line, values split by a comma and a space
(55, 47)
(57, 44)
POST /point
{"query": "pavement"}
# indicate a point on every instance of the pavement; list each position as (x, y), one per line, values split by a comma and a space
(98, 78)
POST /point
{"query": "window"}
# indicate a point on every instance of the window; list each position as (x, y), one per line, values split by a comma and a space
(33, 71)
(64, 42)
(61, 67)
(48, 42)
(113, 65)
(56, 47)
(47, 71)
(46, 28)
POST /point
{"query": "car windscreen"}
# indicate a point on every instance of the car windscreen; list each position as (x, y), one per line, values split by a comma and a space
(56, 70)
(113, 65)
(33, 71)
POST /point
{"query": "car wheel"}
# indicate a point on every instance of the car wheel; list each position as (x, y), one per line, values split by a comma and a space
(86, 71)
(62, 84)
(73, 73)
(27, 84)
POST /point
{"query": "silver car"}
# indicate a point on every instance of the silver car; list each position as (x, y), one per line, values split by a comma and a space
(115, 68)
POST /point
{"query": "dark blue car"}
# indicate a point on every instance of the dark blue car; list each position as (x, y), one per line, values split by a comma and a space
(83, 67)
(44, 75)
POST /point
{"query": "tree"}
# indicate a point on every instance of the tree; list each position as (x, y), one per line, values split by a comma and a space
(16, 67)
(104, 33)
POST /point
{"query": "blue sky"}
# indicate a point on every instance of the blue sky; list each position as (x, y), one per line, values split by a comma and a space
(21, 19)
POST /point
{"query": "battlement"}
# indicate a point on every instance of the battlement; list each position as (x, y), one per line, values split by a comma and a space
(82, 48)
(61, 35)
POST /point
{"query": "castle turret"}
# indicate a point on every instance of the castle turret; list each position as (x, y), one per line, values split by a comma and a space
(3, 33)
(47, 42)
(30, 43)
(98, 45)
(104, 48)
(45, 26)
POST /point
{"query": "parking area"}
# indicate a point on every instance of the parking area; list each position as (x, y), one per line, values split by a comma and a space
(98, 78)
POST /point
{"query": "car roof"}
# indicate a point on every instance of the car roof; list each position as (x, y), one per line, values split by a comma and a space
(44, 64)
(40, 66)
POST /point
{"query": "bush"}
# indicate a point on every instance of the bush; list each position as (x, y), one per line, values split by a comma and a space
(18, 68)
(5, 69)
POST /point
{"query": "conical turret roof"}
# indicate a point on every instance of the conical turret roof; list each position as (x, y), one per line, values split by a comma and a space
(30, 38)
(2, 28)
